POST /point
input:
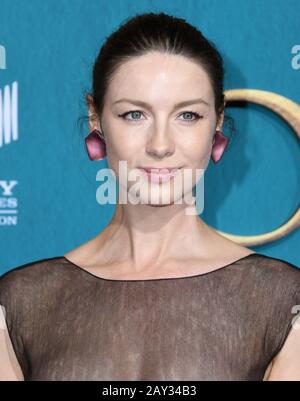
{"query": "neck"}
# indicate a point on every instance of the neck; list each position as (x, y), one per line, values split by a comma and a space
(144, 235)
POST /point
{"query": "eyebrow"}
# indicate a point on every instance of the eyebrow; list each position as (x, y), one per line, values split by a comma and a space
(176, 106)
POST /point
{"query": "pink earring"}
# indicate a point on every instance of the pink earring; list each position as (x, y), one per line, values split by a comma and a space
(95, 145)
(220, 142)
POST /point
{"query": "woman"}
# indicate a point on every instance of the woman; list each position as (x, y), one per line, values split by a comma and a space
(158, 294)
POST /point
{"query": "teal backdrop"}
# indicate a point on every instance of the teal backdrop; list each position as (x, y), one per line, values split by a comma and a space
(50, 47)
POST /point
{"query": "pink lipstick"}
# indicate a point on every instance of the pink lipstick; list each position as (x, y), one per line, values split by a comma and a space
(159, 175)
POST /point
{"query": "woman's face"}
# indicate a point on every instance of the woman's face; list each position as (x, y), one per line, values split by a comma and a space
(144, 127)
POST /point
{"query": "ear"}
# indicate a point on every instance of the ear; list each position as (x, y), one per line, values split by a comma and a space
(94, 122)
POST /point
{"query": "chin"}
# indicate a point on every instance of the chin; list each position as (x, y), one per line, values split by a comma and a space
(159, 197)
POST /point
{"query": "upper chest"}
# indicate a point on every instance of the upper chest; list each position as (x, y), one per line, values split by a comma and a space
(167, 330)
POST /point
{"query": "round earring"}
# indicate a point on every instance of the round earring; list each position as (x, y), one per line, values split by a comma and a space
(95, 146)
(220, 143)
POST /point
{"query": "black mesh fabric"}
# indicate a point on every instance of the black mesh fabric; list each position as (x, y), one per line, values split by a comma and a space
(66, 323)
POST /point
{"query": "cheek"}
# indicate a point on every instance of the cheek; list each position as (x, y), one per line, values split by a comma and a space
(197, 148)
(122, 146)
(123, 141)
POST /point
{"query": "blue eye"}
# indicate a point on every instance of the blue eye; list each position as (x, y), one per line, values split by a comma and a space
(191, 114)
(133, 112)
(138, 113)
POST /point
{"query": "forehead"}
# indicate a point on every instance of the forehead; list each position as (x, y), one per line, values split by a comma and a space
(159, 76)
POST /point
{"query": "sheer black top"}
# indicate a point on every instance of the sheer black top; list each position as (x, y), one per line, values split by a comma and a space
(66, 323)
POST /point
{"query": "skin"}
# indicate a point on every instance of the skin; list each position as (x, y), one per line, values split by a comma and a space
(163, 137)
(160, 137)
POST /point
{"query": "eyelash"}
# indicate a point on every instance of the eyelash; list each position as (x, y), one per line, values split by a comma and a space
(196, 115)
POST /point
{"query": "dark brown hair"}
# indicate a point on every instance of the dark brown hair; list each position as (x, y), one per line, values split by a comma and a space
(156, 32)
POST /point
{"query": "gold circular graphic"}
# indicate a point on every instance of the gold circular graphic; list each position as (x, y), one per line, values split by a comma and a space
(290, 112)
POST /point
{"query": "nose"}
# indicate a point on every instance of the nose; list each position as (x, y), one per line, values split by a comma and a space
(160, 143)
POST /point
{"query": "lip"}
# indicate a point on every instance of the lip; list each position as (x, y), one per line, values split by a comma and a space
(160, 170)
(161, 174)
